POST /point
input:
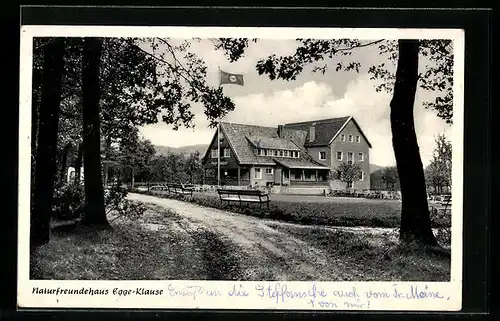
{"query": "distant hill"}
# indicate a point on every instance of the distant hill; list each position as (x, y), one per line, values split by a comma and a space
(374, 168)
(163, 150)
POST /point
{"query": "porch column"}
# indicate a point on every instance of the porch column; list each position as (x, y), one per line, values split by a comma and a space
(316, 175)
(239, 175)
(303, 175)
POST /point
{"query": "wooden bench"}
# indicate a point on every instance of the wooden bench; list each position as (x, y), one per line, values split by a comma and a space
(159, 187)
(244, 196)
(180, 189)
(444, 205)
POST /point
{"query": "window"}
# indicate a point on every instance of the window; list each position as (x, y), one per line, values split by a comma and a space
(286, 153)
(276, 153)
(350, 156)
(358, 139)
(361, 157)
(342, 138)
(322, 155)
(362, 176)
(298, 174)
(281, 153)
(227, 152)
(339, 155)
(285, 174)
(269, 171)
(214, 153)
(349, 184)
(260, 152)
(307, 175)
(257, 173)
(350, 138)
(298, 154)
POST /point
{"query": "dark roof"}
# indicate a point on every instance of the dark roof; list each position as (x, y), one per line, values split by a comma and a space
(244, 139)
(299, 163)
(325, 129)
(272, 143)
(240, 135)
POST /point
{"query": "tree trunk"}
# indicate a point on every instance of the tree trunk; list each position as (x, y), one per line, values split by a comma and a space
(78, 164)
(64, 166)
(132, 174)
(46, 167)
(35, 104)
(95, 213)
(415, 218)
(34, 127)
(106, 164)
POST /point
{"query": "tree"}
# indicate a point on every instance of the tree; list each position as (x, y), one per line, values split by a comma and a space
(437, 77)
(194, 168)
(147, 151)
(347, 173)
(158, 166)
(438, 172)
(136, 158)
(95, 213)
(390, 178)
(45, 171)
(415, 216)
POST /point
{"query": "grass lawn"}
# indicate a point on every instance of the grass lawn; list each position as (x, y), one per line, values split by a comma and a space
(163, 245)
(375, 256)
(316, 210)
(155, 247)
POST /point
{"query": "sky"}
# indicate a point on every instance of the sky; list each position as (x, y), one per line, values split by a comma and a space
(311, 96)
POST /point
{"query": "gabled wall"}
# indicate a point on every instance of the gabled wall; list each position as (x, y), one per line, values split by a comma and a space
(345, 147)
(226, 162)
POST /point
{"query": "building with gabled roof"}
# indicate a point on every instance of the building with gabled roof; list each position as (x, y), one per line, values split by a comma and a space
(295, 154)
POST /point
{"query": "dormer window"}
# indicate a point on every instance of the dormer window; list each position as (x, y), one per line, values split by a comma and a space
(358, 139)
(342, 138)
(260, 152)
(350, 138)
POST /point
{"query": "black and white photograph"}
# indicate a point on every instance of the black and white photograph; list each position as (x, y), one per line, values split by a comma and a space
(244, 160)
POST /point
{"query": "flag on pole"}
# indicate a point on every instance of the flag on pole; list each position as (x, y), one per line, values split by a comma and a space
(229, 78)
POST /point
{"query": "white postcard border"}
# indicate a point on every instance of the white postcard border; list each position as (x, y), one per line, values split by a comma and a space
(452, 291)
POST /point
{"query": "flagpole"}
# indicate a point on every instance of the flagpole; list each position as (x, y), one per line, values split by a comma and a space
(218, 154)
(220, 77)
(218, 137)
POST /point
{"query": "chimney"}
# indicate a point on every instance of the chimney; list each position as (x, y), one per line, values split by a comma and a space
(312, 133)
(280, 131)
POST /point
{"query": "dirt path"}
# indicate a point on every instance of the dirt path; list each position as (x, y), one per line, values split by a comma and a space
(268, 252)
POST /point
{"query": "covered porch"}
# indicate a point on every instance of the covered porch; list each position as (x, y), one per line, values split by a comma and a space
(239, 176)
(303, 173)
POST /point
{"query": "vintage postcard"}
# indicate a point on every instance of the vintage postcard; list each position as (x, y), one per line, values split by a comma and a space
(241, 168)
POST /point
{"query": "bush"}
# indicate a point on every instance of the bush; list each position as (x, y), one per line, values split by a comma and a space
(116, 201)
(69, 202)
(442, 221)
